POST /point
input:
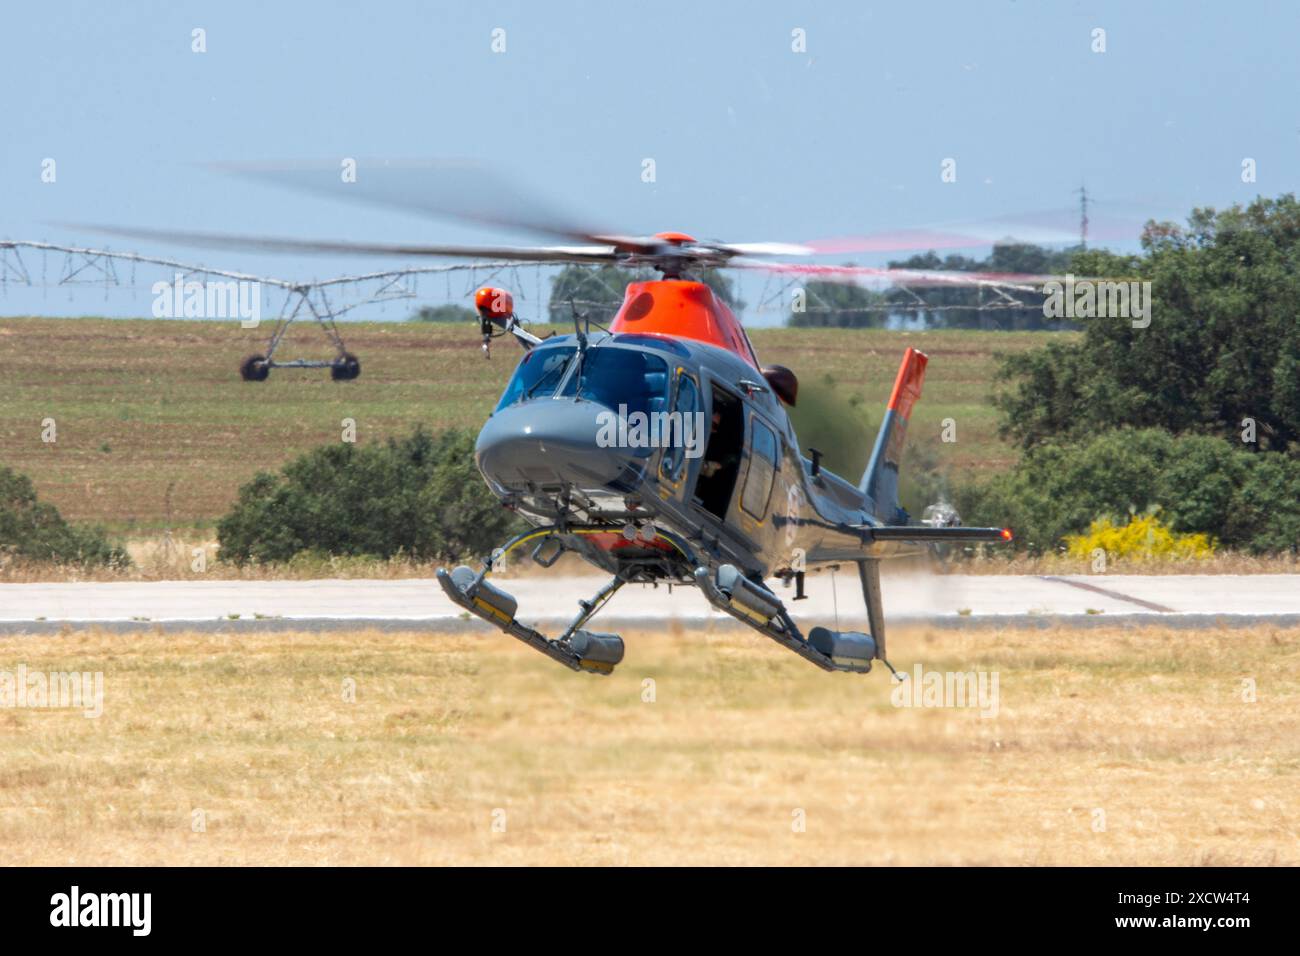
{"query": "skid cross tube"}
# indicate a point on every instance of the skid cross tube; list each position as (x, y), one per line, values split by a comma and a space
(592, 607)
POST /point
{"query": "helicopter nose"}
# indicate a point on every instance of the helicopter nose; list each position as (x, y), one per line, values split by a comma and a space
(550, 442)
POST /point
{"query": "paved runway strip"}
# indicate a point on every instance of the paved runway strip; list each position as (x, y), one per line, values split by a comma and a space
(952, 598)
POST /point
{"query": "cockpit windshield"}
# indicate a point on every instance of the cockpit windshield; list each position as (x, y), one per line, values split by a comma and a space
(538, 374)
(617, 377)
(610, 376)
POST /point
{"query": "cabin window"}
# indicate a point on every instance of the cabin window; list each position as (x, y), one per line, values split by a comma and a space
(762, 471)
(687, 408)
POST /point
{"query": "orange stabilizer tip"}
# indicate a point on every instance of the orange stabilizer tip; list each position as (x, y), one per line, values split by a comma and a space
(1006, 534)
(907, 387)
(494, 302)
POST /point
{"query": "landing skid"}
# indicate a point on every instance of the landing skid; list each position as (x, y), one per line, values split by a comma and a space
(727, 589)
(577, 649)
(764, 612)
(751, 603)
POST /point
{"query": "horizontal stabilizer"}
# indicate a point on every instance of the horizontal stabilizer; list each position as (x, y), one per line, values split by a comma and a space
(926, 533)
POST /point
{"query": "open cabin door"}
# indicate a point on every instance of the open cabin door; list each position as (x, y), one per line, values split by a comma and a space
(722, 454)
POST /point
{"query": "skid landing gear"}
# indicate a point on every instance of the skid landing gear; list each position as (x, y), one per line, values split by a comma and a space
(748, 601)
(577, 649)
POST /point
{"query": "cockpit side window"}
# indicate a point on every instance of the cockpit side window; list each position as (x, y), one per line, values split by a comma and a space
(687, 406)
(537, 375)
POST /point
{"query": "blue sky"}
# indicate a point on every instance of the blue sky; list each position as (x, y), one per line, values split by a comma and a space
(751, 140)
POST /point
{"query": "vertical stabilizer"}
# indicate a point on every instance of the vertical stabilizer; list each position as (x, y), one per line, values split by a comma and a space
(880, 482)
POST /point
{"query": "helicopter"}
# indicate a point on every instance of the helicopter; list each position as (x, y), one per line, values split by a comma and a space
(718, 496)
(659, 448)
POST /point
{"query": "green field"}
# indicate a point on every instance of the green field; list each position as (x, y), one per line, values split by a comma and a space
(142, 406)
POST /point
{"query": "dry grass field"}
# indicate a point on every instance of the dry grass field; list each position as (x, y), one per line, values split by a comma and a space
(1110, 746)
(142, 406)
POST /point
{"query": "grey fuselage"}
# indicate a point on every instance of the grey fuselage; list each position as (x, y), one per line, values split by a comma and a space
(541, 453)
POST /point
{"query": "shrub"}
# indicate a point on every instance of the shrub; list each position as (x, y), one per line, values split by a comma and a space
(1200, 484)
(35, 531)
(421, 497)
(1143, 537)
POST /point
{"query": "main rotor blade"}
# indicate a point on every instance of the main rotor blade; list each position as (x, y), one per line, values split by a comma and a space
(600, 253)
(911, 278)
(443, 189)
(1058, 227)
(764, 248)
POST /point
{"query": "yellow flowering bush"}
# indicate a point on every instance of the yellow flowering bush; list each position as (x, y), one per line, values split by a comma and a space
(1143, 538)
